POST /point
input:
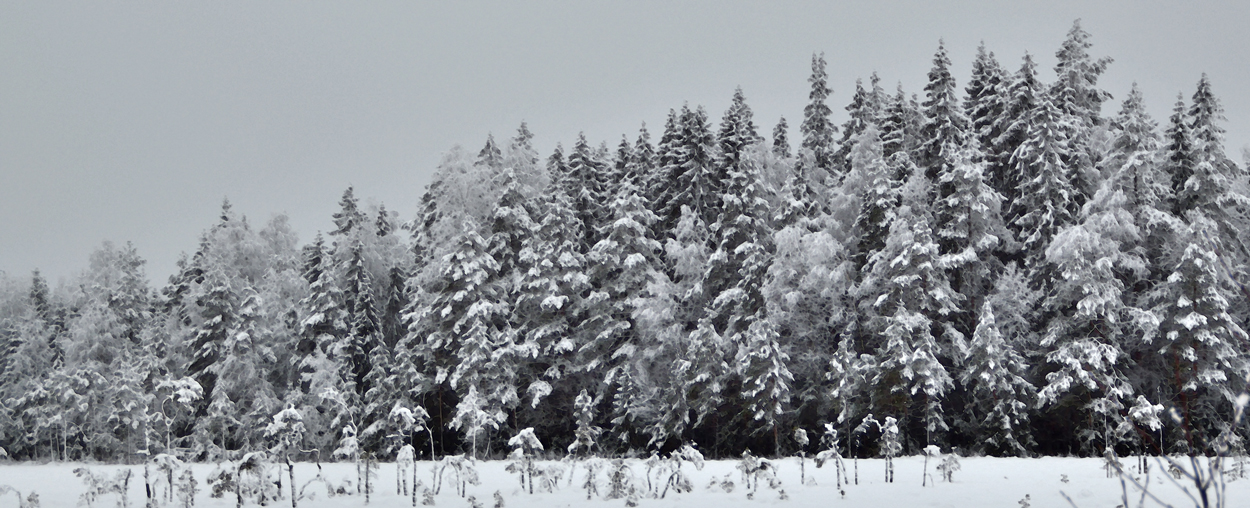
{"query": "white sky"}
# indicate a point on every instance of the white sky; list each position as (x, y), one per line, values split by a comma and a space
(131, 121)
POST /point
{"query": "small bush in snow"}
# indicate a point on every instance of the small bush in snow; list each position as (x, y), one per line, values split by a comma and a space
(220, 481)
(99, 485)
(525, 445)
(186, 489)
(948, 466)
(30, 501)
(498, 500)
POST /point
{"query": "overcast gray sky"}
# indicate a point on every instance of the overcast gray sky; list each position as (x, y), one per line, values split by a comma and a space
(130, 121)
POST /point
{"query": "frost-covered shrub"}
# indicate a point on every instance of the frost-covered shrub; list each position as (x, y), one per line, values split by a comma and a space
(525, 445)
(220, 481)
(30, 501)
(186, 489)
(99, 485)
(948, 466)
(620, 480)
(466, 473)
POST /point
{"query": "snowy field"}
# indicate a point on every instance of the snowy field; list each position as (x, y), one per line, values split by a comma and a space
(988, 482)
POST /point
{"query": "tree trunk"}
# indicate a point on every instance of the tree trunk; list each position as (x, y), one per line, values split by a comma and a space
(290, 471)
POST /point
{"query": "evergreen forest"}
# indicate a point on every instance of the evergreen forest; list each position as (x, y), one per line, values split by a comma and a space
(1022, 265)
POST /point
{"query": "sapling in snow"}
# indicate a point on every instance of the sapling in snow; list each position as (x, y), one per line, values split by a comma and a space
(587, 433)
(525, 446)
(890, 446)
(287, 429)
(186, 486)
(473, 417)
(31, 501)
(677, 478)
(929, 451)
(800, 438)
(401, 421)
(862, 429)
(349, 448)
(99, 485)
(832, 453)
(947, 467)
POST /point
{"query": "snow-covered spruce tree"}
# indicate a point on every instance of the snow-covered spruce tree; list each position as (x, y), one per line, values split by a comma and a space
(1075, 93)
(453, 336)
(879, 199)
(641, 163)
(945, 128)
(1199, 340)
(1093, 314)
(673, 308)
(817, 129)
(623, 266)
(1021, 94)
(1180, 155)
(1001, 397)
(766, 377)
(984, 102)
(736, 135)
(585, 184)
(490, 155)
(549, 309)
(684, 168)
(1048, 197)
(971, 232)
(1209, 191)
(906, 291)
(895, 131)
(864, 110)
(781, 141)
(354, 350)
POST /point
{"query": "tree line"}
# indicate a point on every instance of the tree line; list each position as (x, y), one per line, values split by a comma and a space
(1002, 269)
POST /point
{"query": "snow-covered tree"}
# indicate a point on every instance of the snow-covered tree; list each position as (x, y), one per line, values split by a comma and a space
(817, 129)
(994, 374)
(1199, 340)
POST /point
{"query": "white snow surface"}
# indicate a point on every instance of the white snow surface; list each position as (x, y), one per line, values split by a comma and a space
(982, 481)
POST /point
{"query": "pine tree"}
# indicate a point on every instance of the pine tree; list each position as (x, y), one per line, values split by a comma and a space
(1181, 157)
(863, 111)
(984, 104)
(994, 373)
(1048, 199)
(1022, 97)
(781, 143)
(1199, 340)
(945, 127)
(585, 187)
(970, 230)
(490, 156)
(817, 129)
(349, 217)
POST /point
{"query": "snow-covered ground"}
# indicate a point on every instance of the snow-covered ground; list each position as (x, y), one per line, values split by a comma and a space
(989, 482)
